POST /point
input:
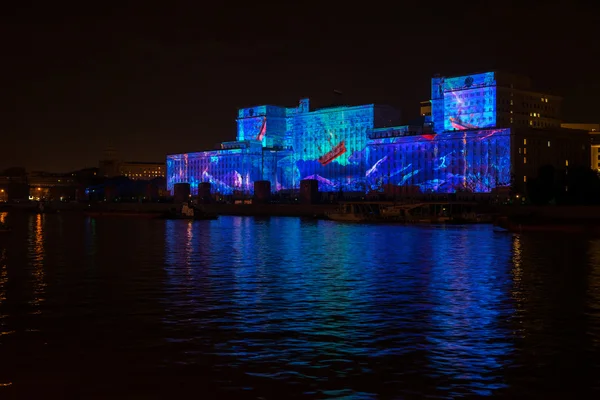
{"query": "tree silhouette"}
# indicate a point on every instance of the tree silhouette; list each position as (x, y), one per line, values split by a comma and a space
(541, 190)
(578, 185)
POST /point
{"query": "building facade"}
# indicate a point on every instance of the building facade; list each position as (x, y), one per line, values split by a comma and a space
(594, 132)
(491, 99)
(425, 110)
(473, 141)
(142, 171)
(110, 166)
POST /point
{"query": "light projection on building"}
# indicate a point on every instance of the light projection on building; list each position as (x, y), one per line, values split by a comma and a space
(329, 146)
(251, 123)
(341, 148)
(472, 161)
(468, 102)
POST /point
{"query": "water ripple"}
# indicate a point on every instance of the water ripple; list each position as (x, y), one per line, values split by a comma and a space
(282, 307)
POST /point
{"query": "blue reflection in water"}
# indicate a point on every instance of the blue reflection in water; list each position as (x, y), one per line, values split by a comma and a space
(469, 289)
(179, 253)
(286, 300)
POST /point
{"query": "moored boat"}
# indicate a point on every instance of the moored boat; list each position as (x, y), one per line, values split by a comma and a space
(191, 212)
(354, 212)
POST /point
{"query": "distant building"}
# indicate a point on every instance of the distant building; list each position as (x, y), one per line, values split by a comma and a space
(485, 131)
(53, 186)
(110, 166)
(13, 185)
(138, 170)
(426, 108)
(594, 132)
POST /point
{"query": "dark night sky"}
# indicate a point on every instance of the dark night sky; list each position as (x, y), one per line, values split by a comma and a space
(153, 81)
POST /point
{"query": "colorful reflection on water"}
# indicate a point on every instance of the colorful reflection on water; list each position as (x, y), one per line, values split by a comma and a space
(283, 307)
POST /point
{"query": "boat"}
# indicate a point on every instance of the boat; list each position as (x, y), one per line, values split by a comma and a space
(354, 212)
(422, 212)
(190, 212)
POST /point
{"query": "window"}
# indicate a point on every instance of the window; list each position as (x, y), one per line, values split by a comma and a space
(548, 143)
(524, 179)
(525, 151)
(567, 163)
(525, 141)
(524, 160)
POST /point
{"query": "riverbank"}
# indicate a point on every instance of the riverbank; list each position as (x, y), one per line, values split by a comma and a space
(533, 214)
(282, 210)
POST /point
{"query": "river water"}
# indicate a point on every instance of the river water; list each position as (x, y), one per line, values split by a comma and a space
(280, 308)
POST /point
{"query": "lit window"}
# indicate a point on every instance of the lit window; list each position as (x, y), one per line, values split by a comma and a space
(525, 141)
(524, 179)
(524, 160)
(531, 123)
(511, 119)
(525, 151)
(511, 103)
(548, 143)
(567, 163)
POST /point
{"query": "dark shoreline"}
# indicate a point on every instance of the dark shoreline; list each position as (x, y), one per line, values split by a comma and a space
(282, 210)
(525, 215)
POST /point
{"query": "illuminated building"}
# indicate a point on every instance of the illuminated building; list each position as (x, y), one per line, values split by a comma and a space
(285, 146)
(594, 132)
(473, 141)
(491, 99)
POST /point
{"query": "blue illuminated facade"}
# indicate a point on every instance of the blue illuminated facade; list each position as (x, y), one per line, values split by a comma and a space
(474, 161)
(362, 148)
(464, 102)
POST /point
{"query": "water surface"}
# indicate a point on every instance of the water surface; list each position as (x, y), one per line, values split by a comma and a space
(284, 307)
